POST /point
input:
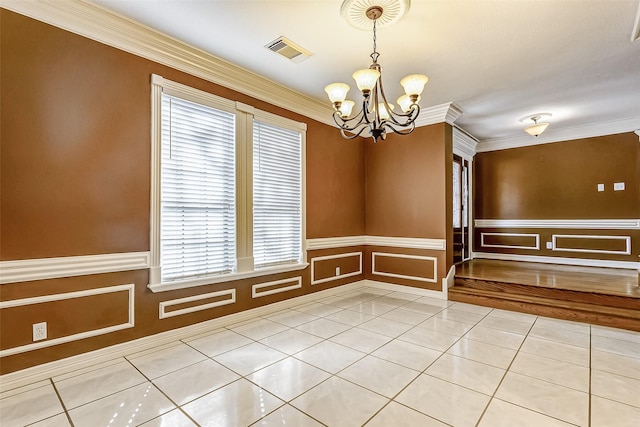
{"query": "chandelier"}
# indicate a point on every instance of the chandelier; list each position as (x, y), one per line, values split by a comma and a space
(376, 116)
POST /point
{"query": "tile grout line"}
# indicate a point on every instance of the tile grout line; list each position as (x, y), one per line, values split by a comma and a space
(178, 407)
(64, 407)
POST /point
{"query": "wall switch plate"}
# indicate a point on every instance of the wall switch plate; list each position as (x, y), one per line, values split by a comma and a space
(40, 331)
(549, 245)
(618, 186)
(337, 271)
(600, 187)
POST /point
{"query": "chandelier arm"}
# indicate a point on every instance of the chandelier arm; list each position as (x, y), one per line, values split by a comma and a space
(353, 133)
(410, 116)
(405, 131)
(347, 124)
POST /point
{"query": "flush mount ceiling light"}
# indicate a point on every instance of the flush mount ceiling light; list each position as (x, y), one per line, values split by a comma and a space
(536, 128)
(376, 116)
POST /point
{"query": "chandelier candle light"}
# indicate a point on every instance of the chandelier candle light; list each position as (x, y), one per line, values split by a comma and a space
(377, 115)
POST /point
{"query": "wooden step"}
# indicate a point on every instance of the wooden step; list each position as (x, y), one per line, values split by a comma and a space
(591, 307)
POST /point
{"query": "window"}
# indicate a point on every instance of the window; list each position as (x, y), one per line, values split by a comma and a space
(227, 189)
(277, 195)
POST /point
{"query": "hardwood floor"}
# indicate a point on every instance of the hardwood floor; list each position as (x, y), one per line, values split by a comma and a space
(603, 296)
(609, 281)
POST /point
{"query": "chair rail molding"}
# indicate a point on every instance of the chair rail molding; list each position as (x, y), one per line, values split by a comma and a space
(50, 268)
(603, 224)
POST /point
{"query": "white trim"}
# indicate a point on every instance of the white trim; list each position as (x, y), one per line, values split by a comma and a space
(448, 281)
(74, 363)
(335, 242)
(610, 224)
(464, 145)
(407, 242)
(163, 314)
(627, 240)
(50, 268)
(256, 287)
(405, 289)
(402, 276)
(557, 135)
(105, 26)
(338, 276)
(130, 288)
(559, 260)
(537, 236)
(209, 280)
(447, 113)
(396, 242)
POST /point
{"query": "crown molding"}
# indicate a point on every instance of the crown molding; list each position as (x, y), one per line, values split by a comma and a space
(558, 135)
(635, 34)
(448, 113)
(102, 25)
(464, 144)
(107, 27)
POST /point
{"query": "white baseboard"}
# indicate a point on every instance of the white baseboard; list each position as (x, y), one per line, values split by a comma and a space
(80, 361)
(630, 265)
(405, 289)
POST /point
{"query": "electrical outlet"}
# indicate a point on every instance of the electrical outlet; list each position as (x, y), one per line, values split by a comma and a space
(549, 245)
(618, 186)
(600, 187)
(40, 331)
(337, 271)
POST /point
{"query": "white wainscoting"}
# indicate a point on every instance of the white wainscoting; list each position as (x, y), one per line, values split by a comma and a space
(130, 288)
(164, 304)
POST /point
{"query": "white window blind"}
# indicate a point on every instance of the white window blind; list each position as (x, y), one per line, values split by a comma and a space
(198, 224)
(277, 195)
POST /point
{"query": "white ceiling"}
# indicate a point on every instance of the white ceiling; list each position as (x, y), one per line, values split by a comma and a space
(498, 60)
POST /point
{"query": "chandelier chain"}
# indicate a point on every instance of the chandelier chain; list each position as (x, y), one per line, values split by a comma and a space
(374, 55)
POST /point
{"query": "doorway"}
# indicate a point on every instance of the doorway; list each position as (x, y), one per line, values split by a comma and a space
(461, 177)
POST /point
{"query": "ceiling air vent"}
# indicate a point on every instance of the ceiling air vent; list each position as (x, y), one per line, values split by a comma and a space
(288, 49)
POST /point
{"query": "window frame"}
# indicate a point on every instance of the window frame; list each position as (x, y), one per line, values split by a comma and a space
(245, 116)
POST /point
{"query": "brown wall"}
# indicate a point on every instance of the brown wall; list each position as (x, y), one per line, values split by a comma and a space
(409, 192)
(559, 181)
(75, 181)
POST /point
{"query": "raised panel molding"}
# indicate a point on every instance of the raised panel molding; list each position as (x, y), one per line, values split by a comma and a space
(396, 242)
(339, 276)
(557, 247)
(231, 293)
(51, 268)
(603, 224)
(256, 293)
(130, 288)
(433, 279)
(486, 245)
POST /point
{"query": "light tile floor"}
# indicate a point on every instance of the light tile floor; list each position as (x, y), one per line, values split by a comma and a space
(366, 357)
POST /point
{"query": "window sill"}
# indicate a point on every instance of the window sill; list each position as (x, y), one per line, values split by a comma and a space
(210, 280)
